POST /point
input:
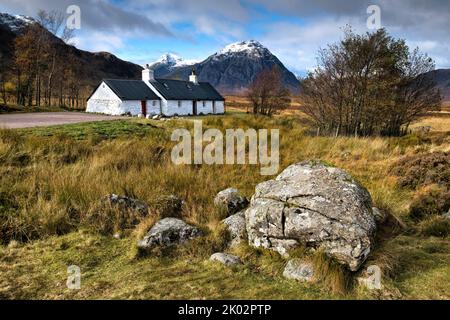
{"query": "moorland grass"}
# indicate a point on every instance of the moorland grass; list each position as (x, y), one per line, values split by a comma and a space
(51, 179)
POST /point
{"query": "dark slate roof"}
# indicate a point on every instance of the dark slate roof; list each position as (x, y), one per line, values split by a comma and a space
(131, 89)
(186, 90)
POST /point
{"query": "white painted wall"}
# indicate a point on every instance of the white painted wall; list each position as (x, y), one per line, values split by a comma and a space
(134, 107)
(104, 100)
(153, 107)
(207, 109)
(220, 107)
(171, 107)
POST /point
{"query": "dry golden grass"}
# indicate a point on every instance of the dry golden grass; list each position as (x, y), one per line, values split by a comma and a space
(52, 177)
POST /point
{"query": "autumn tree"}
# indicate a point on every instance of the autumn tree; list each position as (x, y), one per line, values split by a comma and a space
(369, 84)
(54, 23)
(267, 93)
(3, 72)
(40, 58)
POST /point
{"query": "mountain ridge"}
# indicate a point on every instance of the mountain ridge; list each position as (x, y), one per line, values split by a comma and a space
(232, 69)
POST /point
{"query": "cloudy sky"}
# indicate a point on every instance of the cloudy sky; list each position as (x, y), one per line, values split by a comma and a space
(142, 30)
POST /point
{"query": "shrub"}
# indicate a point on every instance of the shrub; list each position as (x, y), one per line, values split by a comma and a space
(436, 226)
(435, 201)
(423, 169)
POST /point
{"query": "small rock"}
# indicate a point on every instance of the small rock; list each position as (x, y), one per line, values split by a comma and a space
(125, 203)
(230, 200)
(116, 236)
(235, 225)
(299, 270)
(226, 259)
(140, 115)
(169, 232)
(156, 117)
(371, 278)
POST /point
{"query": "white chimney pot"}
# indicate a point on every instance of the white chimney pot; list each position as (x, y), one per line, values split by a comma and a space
(148, 74)
(193, 77)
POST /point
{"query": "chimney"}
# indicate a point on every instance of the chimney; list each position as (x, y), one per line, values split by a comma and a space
(193, 77)
(147, 74)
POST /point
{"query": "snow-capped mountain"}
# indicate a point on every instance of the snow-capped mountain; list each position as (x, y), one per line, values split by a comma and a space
(14, 23)
(250, 48)
(233, 68)
(168, 62)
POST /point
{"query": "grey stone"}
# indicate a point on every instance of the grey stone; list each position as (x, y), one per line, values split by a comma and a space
(235, 225)
(230, 200)
(124, 203)
(299, 270)
(168, 232)
(226, 259)
(315, 205)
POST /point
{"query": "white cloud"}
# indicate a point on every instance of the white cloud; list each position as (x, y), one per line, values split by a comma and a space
(99, 41)
(297, 45)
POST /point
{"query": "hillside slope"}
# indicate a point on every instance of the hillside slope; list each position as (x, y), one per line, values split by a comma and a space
(93, 66)
(233, 68)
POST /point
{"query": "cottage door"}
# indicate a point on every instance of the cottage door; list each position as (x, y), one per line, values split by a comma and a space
(144, 107)
(194, 108)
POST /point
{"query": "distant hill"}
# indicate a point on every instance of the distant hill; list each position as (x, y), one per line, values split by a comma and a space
(442, 78)
(231, 69)
(93, 66)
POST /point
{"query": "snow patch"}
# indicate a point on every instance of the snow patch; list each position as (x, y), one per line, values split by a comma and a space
(15, 22)
(173, 61)
(249, 47)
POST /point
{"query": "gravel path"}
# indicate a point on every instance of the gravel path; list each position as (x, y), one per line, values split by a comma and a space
(42, 119)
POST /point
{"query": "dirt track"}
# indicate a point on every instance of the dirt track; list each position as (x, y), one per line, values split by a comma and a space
(42, 119)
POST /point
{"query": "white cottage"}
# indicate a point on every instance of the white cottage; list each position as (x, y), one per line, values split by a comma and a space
(151, 96)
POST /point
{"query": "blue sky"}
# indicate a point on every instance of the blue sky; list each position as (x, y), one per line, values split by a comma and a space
(142, 30)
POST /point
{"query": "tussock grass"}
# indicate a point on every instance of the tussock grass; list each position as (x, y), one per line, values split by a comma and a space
(52, 178)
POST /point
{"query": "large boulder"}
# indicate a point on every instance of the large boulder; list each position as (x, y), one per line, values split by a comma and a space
(168, 232)
(235, 226)
(315, 205)
(230, 200)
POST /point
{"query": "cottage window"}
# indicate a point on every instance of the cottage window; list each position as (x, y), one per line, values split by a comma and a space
(179, 103)
(203, 103)
(154, 103)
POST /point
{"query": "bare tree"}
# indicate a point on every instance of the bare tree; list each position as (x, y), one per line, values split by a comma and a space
(54, 22)
(267, 94)
(369, 84)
